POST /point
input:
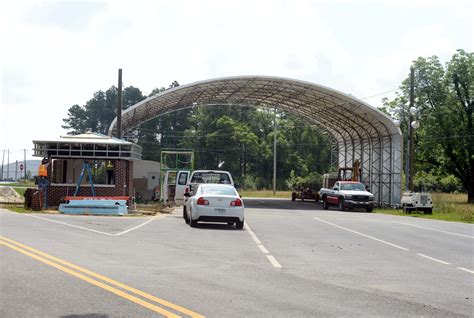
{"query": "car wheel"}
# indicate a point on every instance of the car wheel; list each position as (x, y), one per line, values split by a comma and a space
(325, 204)
(192, 222)
(185, 215)
(369, 209)
(341, 204)
(293, 197)
(239, 224)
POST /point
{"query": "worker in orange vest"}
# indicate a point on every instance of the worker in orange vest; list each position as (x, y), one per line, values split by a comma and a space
(43, 173)
(43, 168)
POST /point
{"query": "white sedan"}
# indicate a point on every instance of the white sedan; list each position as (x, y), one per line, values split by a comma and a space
(215, 203)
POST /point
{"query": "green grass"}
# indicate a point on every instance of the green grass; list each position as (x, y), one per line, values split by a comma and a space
(265, 194)
(28, 183)
(446, 206)
(20, 191)
(17, 208)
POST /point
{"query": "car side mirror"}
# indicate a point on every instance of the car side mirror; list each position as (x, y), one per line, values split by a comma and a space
(187, 194)
(336, 189)
(237, 186)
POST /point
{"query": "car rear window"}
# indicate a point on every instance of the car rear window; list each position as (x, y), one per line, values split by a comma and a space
(210, 177)
(218, 190)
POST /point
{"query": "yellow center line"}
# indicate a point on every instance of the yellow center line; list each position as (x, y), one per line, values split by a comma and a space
(93, 274)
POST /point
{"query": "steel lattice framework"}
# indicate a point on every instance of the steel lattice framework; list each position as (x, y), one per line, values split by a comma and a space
(359, 130)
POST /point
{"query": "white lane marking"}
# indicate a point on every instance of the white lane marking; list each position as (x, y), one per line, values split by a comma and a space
(273, 261)
(358, 233)
(95, 231)
(433, 259)
(252, 234)
(67, 224)
(138, 226)
(262, 248)
(465, 269)
(429, 228)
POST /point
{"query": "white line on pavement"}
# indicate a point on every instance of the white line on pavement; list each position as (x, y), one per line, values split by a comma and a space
(433, 259)
(252, 234)
(465, 269)
(95, 231)
(273, 261)
(262, 248)
(429, 228)
(138, 226)
(368, 236)
(76, 226)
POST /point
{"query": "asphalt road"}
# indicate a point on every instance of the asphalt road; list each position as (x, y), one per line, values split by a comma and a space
(291, 260)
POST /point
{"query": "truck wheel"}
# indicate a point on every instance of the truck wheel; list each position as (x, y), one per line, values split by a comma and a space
(341, 204)
(325, 204)
(428, 211)
(293, 197)
(369, 209)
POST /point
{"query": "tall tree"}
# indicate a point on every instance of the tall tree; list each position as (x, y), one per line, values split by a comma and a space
(98, 112)
(444, 100)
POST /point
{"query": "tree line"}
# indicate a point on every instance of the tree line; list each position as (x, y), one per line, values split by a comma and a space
(234, 138)
(444, 104)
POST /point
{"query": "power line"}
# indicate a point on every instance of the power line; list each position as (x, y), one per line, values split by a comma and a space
(383, 93)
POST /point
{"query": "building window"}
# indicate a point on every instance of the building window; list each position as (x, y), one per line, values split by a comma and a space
(68, 171)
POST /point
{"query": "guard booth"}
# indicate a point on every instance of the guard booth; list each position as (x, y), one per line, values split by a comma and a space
(110, 161)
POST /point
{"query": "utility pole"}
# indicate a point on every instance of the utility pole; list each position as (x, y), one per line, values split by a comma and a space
(8, 164)
(3, 160)
(24, 158)
(16, 170)
(410, 129)
(274, 150)
(119, 105)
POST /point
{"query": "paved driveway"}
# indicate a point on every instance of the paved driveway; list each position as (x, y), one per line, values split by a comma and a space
(291, 259)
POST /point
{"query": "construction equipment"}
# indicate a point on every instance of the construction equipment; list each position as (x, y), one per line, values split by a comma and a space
(85, 166)
(343, 174)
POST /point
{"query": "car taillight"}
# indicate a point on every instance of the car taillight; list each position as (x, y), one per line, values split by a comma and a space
(202, 201)
(237, 202)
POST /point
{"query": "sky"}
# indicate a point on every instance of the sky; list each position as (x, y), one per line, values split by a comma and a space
(54, 54)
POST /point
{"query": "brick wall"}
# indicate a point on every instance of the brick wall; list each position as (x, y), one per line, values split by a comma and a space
(123, 171)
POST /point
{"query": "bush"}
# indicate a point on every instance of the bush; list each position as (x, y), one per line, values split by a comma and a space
(451, 184)
(249, 183)
(433, 183)
(313, 178)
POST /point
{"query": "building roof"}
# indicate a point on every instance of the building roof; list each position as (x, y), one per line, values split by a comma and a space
(87, 138)
(87, 146)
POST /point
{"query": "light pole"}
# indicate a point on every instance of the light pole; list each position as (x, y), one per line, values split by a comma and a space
(274, 150)
(412, 125)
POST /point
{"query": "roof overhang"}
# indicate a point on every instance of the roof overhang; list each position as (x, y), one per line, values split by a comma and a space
(343, 115)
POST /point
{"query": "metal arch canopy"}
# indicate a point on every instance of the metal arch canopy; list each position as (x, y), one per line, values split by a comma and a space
(360, 130)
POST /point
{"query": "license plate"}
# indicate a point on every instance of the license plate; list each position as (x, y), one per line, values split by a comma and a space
(220, 211)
